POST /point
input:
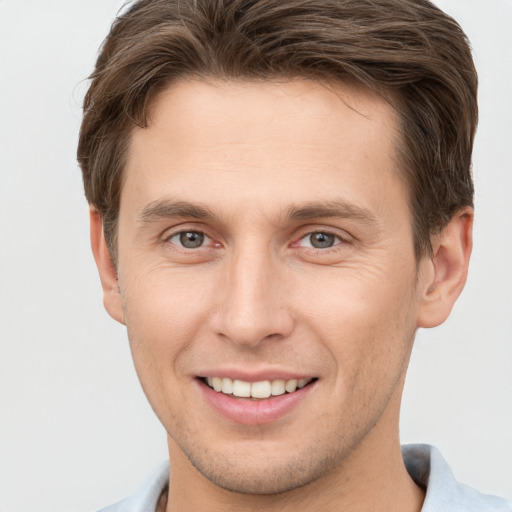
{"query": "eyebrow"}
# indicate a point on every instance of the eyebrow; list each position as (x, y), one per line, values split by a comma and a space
(335, 208)
(168, 208)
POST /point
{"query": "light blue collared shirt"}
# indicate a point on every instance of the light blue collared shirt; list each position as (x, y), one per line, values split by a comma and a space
(423, 462)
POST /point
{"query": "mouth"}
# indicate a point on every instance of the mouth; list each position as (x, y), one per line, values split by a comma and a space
(256, 390)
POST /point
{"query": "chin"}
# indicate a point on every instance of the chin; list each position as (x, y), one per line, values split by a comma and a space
(265, 476)
(272, 481)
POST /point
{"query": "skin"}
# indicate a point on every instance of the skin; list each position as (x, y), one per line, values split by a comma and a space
(263, 159)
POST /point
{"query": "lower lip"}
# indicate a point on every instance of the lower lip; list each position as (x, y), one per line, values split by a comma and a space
(254, 412)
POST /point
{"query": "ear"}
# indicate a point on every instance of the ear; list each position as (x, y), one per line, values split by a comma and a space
(106, 268)
(446, 273)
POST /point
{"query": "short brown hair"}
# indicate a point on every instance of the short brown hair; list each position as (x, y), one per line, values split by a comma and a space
(408, 49)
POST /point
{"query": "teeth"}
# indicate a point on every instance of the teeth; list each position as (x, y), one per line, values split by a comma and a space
(301, 383)
(217, 384)
(291, 385)
(278, 387)
(262, 389)
(227, 386)
(241, 388)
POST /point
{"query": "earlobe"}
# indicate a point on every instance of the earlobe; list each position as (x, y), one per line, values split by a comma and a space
(447, 273)
(106, 268)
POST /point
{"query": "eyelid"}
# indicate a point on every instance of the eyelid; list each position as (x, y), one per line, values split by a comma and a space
(185, 227)
(341, 235)
(337, 240)
(206, 239)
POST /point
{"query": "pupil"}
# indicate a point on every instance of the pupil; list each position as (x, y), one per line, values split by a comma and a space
(322, 240)
(191, 239)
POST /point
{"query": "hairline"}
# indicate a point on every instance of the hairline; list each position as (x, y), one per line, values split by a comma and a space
(391, 97)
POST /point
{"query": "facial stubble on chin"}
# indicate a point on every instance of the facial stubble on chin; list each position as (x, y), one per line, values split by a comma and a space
(238, 476)
(323, 456)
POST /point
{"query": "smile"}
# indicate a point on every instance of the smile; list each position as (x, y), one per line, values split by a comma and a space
(256, 401)
(259, 390)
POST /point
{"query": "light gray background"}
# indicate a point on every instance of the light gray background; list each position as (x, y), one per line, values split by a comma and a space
(75, 430)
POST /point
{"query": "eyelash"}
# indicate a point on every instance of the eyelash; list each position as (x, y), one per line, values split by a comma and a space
(337, 239)
(179, 234)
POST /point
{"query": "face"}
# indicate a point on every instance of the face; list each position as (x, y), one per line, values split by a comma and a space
(267, 277)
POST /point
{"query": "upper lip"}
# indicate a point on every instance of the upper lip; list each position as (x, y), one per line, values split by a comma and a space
(254, 376)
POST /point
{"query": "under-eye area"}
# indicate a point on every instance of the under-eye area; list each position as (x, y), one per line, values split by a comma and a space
(256, 390)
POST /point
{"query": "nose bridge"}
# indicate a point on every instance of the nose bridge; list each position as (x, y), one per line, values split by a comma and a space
(253, 306)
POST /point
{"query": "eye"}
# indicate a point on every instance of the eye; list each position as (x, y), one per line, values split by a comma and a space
(189, 239)
(319, 240)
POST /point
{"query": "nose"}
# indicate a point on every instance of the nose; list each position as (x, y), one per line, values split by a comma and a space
(253, 304)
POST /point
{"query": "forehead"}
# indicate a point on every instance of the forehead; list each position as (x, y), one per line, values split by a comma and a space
(246, 111)
(270, 142)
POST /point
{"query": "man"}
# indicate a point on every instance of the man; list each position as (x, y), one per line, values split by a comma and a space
(280, 197)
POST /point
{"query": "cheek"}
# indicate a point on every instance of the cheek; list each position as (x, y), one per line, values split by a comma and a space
(161, 326)
(164, 312)
(366, 323)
